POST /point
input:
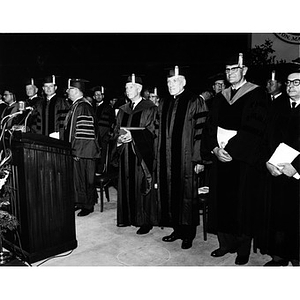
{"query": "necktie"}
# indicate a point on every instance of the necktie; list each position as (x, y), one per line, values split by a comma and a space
(293, 105)
(131, 105)
(233, 92)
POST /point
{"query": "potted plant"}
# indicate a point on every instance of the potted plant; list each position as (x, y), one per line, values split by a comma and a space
(7, 220)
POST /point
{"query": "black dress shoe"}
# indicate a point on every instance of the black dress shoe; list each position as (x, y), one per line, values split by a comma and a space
(84, 212)
(242, 259)
(220, 252)
(186, 244)
(144, 229)
(277, 263)
(171, 238)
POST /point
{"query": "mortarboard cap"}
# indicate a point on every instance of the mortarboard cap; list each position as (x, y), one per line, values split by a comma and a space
(50, 79)
(214, 78)
(77, 83)
(176, 71)
(134, 79)
(99, 88)
(30, 81)
(236, 59)
(277, 75)
(153, 90)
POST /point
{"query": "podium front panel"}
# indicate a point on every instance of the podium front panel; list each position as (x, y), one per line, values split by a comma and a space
(43, 196)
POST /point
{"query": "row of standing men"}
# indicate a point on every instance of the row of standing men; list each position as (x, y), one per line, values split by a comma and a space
(161, 148)
(250, 198)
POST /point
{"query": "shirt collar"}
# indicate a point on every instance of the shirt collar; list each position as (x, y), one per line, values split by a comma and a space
(178, 93)
(51, 96)
(239, 85)
(277, 95)
(297, 102)
(135, 103)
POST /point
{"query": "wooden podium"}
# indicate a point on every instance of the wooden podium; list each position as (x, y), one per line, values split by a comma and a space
(42, 197)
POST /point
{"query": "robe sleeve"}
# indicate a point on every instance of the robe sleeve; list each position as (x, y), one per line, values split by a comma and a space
(199, 111)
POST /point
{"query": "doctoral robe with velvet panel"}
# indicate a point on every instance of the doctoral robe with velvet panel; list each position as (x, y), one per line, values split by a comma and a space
(49, 115)
(136, 203)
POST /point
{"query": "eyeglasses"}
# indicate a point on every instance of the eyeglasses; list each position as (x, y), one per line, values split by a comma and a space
(295, 82)
(233, 70)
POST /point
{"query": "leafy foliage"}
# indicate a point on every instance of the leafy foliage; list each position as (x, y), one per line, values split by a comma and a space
(262, 54)
(7, 221)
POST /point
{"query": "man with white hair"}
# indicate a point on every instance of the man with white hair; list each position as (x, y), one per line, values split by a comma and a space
(31, 92)
(135, 133)
(181, 119)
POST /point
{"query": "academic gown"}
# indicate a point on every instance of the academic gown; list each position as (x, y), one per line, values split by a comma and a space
(106, 118)
(136, 203)
(80, 130)
(49, 115)
(279, 212)
(235, 187)
(181, 122)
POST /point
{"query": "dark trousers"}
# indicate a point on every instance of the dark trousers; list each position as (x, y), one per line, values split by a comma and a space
(84, 181)
(185, 231)
(229, 241)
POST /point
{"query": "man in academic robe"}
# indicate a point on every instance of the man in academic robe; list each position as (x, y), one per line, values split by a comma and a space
(275, 88)
(31, 92)
(281, 217)
(181, 118)
(9, 97)
(240, 111)
(49, 115)
(80, 129)
(135, 135)
(105, 116)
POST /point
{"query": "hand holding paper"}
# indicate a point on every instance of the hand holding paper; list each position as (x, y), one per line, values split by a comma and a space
(282, 156)
(288, 170)
(224, 135)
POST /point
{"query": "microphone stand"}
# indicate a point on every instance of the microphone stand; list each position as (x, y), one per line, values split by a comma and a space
(25, 122)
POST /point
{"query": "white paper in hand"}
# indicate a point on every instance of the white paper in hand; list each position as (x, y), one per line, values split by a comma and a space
(284, 154)
(224, 135)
